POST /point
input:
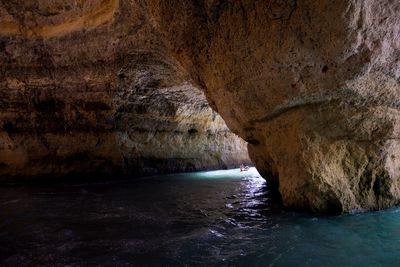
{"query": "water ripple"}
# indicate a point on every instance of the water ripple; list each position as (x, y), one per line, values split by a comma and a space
(222, 218)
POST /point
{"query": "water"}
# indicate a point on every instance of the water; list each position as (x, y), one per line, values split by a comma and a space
(222, 218)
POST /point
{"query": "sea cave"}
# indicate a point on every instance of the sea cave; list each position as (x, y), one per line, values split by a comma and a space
(193, 133)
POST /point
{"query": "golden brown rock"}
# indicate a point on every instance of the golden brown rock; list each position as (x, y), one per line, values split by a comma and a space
(313, 86)
(88, 88)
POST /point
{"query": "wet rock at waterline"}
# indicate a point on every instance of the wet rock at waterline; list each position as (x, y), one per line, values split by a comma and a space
(88, 88)
(312, 86)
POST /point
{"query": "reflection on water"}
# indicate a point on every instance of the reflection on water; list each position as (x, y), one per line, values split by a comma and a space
(221, 218)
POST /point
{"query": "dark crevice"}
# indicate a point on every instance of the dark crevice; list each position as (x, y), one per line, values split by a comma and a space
(192, 131)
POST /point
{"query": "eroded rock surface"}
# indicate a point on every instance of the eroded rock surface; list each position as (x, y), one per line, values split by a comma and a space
(164, 123)
(313, 86)
(87, 87)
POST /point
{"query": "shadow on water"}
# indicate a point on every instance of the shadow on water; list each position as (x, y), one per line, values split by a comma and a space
(220, 218)
(174, 219)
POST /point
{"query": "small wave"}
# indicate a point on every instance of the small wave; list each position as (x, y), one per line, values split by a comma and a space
(216, 233)
(358, 211)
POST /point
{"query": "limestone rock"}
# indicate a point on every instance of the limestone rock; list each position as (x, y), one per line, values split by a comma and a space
(87, 88)
(313, 86)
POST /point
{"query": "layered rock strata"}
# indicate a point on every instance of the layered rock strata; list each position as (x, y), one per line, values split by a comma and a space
(87, 88)
(312, 86)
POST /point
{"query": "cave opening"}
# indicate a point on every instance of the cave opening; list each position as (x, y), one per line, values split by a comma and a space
(121, 126)
(164, 123)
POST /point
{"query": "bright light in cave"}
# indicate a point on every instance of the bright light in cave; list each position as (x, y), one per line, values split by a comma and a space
(231, 173)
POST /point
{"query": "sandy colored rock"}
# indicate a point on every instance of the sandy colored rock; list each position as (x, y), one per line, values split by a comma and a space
(312, 86)
(87, 88)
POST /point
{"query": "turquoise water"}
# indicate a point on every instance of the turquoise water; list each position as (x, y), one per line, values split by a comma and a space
(221, 218)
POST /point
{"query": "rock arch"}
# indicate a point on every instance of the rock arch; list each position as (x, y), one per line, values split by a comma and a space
(313, 86)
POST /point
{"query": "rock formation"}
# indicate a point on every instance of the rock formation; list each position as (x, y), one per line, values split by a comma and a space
(164, 123)
(88, 89)
(312, 86)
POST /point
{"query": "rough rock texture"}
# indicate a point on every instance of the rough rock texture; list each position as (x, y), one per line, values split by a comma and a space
(164, 123)
(313, 86)
(86, 87)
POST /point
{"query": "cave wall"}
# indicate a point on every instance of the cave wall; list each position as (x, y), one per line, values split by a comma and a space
(87, 88)
(312, 86)
(164, 123)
